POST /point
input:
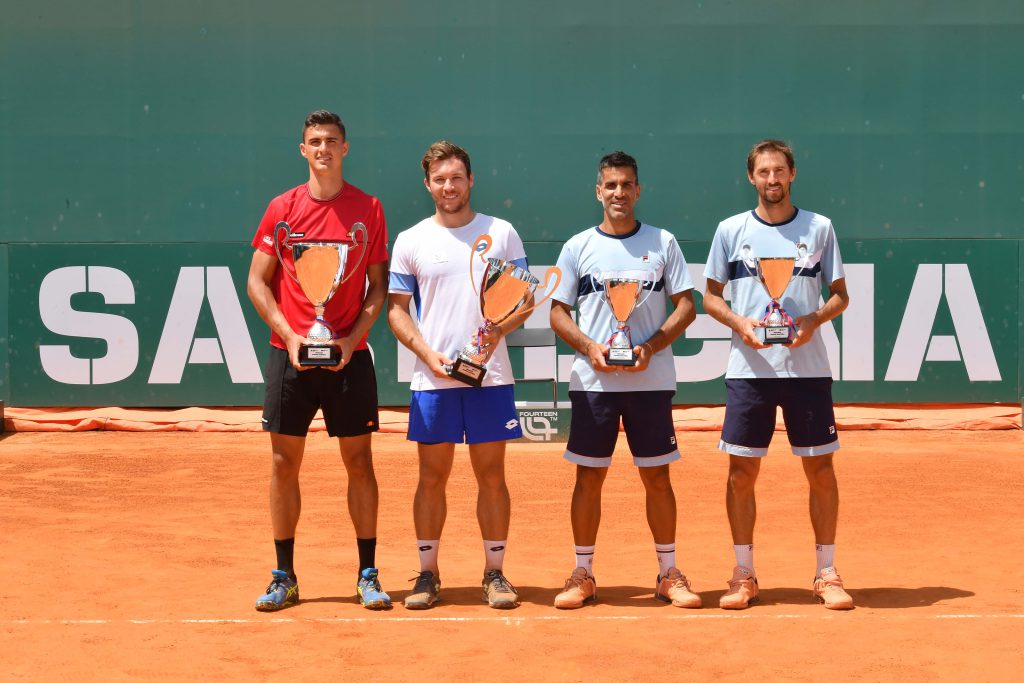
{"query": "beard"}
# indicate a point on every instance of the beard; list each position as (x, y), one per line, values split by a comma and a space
(777, 199)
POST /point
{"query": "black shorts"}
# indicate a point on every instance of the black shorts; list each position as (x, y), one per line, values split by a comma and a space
(806, 403)
(347, 397)
(646, 417)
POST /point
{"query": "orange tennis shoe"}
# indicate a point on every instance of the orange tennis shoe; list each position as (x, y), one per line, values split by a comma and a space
(742, 591)
(675, 588)
(580, 588)
(828, 589)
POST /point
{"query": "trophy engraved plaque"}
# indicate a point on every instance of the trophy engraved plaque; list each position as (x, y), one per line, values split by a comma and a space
(318, 268)
(623, 295)
(775, 273)
(504, 290)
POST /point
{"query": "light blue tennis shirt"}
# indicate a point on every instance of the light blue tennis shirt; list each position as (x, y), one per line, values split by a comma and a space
(820, 265)
(649, 254)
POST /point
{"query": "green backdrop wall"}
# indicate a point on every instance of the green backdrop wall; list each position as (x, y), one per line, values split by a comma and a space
(146, 138)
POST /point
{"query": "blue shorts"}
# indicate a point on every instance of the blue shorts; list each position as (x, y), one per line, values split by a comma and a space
(645, 415)
(464, 414)
(806, 404)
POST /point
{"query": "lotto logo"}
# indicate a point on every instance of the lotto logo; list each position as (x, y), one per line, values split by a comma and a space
(511, 424)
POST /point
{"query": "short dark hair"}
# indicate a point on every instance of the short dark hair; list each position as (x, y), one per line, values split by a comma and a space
(441, 150)
(770, 145)
(617, 159)
(322, 117)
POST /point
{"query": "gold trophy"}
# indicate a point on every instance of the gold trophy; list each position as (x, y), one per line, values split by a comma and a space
(504, 290)
(775, 273)
(623, 295)
(318, 269)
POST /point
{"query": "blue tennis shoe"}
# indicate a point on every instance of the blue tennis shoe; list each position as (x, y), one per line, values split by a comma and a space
(371, 596)
(282, 592)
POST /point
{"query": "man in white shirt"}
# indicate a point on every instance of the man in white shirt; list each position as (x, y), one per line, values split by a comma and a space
(430, 265)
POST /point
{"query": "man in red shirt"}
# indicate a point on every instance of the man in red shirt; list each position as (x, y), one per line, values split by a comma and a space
(325, 208)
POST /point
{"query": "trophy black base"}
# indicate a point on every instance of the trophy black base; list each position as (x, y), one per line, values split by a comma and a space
(467, 372)
(623, 357)
(777, 335)
(319, 355)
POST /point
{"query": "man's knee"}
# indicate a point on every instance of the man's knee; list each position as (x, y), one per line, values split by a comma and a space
(821, 475)
(656, 479)
(743, 474)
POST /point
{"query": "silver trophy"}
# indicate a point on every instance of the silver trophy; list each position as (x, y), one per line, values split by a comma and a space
(504, 290)
(318, 269)
(623, 295)
(774, 268)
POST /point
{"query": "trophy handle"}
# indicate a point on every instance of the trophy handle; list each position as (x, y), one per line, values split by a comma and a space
(801, 252)
(553, 271)
(749, 262)
(482, 239)
(277, 247)
(647, 295)
(356, 229)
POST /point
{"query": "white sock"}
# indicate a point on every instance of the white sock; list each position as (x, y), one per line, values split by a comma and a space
(826, 556)
(585, 558)
(666, 557)
(428, 555)
(745, 555)
(494, 554)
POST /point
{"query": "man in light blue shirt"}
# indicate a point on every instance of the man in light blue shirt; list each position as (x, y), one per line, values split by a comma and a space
(639, 394)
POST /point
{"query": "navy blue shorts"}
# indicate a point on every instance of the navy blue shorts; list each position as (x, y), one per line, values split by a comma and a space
(347, 397)
(470, 414)
(806, 403)
(645, 415)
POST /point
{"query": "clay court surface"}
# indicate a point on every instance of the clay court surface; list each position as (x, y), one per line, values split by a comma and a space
(139, 555)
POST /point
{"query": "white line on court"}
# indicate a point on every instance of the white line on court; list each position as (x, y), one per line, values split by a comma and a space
(509, 620)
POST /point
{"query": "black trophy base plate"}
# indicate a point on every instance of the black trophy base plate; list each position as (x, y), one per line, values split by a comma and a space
(621, 357)
(467, 372)
(776, 335)
(319, 355)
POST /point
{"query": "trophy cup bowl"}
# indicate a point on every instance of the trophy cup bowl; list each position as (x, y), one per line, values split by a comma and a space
(775, 273)
(623, 295)
(505, 288)
(319, 267)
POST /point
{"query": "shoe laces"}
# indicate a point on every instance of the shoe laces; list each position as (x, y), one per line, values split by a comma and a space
(373, 583)
(275, 585)
(738, 583)
(499, 583)
(833, 582)
(576, 580)
(425, 582)
(679, 582)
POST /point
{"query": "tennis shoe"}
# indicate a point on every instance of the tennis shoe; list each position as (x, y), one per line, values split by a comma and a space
(580, 588)
(828, 589)
(498, 592)
(742, 591)
(675, 588)
(425, 592)
(371, 595)
(282, 592)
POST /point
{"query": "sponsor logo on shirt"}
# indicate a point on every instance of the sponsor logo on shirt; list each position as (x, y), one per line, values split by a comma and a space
(268, 241)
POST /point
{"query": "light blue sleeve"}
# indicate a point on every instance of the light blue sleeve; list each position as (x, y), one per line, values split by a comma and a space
(677, 275)
(831, 261)
(568, 288)
(401, 283)
(402, 278)
(717, 267)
